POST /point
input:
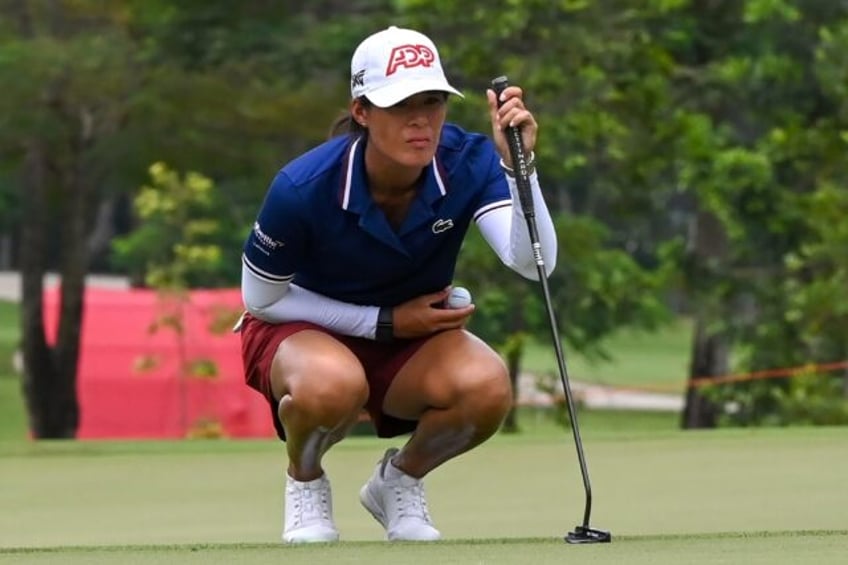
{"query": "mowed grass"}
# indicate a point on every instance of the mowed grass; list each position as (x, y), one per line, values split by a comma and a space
(13, 424)
(653, 360)
(727, 496)
(12, 414)
(765, 496)
(756, 549)
(9, 331)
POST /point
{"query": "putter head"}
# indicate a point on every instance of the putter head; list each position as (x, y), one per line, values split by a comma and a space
(584, 534)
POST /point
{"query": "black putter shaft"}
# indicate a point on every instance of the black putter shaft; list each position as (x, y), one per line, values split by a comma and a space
(583, 533)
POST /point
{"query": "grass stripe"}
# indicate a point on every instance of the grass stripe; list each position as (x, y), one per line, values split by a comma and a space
(770, 548)
(468, 542)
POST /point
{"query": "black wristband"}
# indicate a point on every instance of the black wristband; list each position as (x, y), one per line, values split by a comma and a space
(385, 325)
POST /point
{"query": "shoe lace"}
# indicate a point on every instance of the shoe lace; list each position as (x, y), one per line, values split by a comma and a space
(310, 504)
(410, 501)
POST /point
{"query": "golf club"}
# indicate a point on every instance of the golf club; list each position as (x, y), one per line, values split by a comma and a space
(582, 533)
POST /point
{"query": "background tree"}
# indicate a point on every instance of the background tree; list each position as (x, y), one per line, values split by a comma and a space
(594, 156)
(696, 124)
(181, 211)
(110, 88)
(765, 81)
(73, 87)
(691, 151)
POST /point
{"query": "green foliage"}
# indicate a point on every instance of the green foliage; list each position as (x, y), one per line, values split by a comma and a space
(809, 399)
(598, 288)
(651, 114)
(815, 399)
(789, 219)
(595, 291)
(175, 244)
(818, 274)
(596, 151)
(289, 39)
(75, 90)
(202, 369)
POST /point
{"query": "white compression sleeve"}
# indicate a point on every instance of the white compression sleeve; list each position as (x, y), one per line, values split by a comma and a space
(505, 229)
(286, 302)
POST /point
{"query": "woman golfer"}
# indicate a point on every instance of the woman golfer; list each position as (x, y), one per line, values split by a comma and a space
(346, 269)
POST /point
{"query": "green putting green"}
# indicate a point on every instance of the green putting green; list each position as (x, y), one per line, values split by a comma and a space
(727, 496)
(752, 549)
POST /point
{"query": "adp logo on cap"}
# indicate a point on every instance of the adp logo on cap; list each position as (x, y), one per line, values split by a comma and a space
(394, 64)
(410, 56)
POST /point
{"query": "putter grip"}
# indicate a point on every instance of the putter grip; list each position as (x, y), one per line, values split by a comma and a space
(516, 151)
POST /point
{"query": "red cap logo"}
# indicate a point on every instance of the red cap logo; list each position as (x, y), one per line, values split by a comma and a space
(409, 56)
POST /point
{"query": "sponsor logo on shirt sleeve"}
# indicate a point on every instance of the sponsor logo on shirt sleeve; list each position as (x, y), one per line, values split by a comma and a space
(264, 242)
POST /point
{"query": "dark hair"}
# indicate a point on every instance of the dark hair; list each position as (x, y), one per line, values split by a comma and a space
(346, 125)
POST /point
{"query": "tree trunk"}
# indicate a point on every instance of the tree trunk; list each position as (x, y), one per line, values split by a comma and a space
(709, 358)
(513, 363)
(7, 262)
(50, 373)
(40, 377)
(39, 373)
(845, 383)
(513, 349)
(73, 270)
(710, 351)
(103, 231)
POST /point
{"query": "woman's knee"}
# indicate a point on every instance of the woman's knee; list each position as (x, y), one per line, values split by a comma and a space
(453, 370)
(341, 396)
(320, 380)
(486, 389)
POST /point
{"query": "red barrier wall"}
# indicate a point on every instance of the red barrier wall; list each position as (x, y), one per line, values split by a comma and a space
(121, 398)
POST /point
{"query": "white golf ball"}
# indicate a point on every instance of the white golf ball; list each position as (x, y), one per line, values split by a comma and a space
(459, 297)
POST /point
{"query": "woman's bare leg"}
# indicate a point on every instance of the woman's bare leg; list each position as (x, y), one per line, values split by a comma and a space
(322, 389)
(458, 389)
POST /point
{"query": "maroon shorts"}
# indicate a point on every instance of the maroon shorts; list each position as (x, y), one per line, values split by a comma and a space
(381, 361)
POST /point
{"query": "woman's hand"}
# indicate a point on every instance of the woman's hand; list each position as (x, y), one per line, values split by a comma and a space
(425, 315)
(511, 113)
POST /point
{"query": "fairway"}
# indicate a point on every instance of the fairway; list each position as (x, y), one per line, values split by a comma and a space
(658, 360)
(728, 496)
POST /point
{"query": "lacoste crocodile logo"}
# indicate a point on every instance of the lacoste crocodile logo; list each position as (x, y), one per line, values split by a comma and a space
(440, 225)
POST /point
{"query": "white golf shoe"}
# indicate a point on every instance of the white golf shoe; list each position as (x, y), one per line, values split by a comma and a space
(309, 512)
(397, 501)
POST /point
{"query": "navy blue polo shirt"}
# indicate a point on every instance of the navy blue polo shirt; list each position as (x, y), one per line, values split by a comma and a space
(319, 227)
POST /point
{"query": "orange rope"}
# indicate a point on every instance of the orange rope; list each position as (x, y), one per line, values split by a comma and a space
(698, 382)
(769, 374)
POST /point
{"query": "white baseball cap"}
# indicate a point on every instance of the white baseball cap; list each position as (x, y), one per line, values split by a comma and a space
(394, 64)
